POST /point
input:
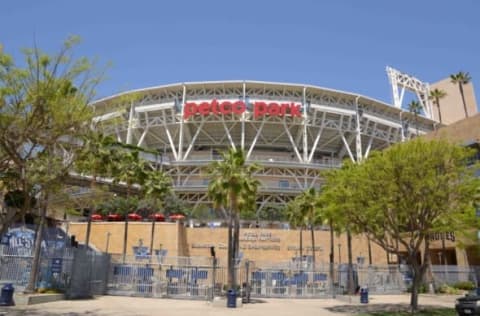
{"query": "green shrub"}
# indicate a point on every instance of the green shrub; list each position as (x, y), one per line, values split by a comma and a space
(446, 289)
(423, 288)
(464, 285)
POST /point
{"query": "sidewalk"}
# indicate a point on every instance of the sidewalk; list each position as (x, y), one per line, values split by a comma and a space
(128, 306)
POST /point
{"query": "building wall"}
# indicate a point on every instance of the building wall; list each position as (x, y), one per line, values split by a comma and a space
(461, 132)
(451, 106)
(258, 244)
(166, 236)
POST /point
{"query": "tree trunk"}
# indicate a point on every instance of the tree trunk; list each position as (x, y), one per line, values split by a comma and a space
(152, 237)
(460, 86)
(417, 281)
(230, 252)
(89, 218)
(37, 248)
(301, 244)
(236, 243)
(439, 111)
(416, 123)
(351, 285)
(231, 241)
(89, 229)
(369, 244)
(429, 281)
(444, 251)
(332, 253)
(125, 238)
(312, 232)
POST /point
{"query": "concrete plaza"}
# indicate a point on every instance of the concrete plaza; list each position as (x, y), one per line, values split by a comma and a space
(123, 306)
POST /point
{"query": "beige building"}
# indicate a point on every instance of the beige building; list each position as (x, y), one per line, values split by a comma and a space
(451, 106)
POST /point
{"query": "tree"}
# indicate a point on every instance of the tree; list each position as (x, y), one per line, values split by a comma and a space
(337, 199)
(130, 170)
(96, 159)
(232, 186)
(157, 185)
(296, 220)
(436, 95)
(43, 111)
(404, 193)
(308, 204)
(461, 78)
(415, 108)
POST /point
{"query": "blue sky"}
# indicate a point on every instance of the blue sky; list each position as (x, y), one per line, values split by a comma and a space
(339, 44)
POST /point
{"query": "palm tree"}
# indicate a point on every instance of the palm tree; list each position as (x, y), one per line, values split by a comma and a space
(129, 169)
(415, 108)
(461, 78)
(157, 185)
(308, 204)
(296, 220)
(96, 160)
(232, 186)
(436, 95)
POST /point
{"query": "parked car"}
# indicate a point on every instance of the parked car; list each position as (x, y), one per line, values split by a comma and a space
(468, 305)
(158, 217)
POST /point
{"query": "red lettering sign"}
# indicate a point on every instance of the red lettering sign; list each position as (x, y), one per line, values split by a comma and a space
(226, 107)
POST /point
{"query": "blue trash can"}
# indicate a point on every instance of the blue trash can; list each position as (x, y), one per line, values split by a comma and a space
(231, 298)
(364, 295)
(6, 298)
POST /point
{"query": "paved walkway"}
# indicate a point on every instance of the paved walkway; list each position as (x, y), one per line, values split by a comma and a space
(130, 306)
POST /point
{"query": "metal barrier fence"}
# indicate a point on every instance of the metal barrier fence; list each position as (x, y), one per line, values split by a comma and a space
(148, 278)
(82, 272)
(448, 274)
(54, 268)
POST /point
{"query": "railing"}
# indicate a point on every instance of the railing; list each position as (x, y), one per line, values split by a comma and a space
(54, 268)
(199, 278)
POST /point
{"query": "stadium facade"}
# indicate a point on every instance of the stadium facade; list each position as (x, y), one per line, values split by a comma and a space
(294, 131)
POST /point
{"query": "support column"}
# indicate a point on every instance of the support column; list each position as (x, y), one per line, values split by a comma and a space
(358, 141)
(130, 125)
(180, 137)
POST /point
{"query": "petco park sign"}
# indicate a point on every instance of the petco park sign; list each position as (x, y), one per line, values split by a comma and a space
(238, 107)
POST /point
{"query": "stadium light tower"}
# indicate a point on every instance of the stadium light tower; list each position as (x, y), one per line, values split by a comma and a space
(407, 82)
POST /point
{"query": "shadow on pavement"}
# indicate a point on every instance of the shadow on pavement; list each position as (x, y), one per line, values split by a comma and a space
(34, 312)
(366, 308)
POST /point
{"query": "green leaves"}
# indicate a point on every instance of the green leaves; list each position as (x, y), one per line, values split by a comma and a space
(415, 188)
(232, 183)
(43, 113)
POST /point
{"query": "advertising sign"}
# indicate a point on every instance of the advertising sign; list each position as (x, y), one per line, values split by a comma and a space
(260, 108)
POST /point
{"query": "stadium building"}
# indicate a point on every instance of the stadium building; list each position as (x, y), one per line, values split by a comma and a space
(294, 131)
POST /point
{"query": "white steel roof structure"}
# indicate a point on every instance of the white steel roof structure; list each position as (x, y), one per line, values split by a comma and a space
(294, 131)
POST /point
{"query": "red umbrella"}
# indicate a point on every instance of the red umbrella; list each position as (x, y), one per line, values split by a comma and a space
(97, 217)
(114, 217)
(177, 217)
(158, 217)
(134, 217)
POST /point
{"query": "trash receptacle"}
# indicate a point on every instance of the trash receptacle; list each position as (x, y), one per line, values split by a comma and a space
(364, 295)
(478, 291)
(231, 298)
(6, 298)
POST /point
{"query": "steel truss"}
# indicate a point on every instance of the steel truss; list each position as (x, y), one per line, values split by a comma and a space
(410, 83)
(292, 150)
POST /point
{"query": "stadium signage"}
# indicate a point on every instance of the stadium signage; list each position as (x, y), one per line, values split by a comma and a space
(238, 107)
